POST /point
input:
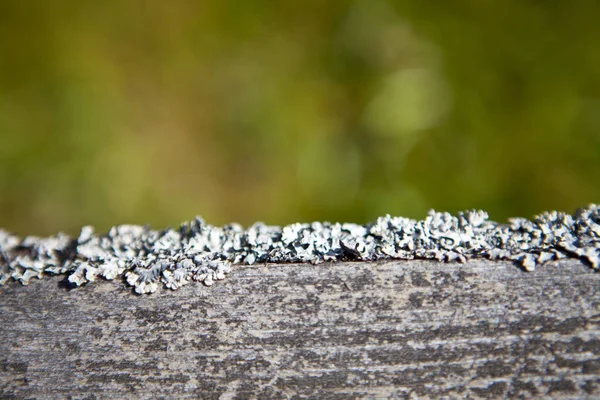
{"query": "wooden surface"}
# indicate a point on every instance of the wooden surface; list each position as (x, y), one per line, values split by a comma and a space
(394, 329)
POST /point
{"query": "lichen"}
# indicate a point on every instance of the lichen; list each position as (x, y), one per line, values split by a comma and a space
(199, 252)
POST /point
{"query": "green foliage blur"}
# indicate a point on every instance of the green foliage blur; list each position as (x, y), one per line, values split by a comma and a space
(157, 111)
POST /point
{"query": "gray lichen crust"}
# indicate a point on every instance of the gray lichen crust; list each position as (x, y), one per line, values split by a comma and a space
(147, 258)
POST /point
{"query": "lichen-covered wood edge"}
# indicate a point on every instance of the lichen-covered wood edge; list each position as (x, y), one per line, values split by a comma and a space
(198, 252)
(394, 329)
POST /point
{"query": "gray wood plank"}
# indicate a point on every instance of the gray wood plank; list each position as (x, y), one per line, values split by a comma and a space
(400, 329)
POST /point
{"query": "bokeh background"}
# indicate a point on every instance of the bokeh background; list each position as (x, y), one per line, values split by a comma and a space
(157, 111)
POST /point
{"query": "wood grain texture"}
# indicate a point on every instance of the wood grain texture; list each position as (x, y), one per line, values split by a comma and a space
(408, 329)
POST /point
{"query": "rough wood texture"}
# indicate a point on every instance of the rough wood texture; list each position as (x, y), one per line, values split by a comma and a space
(374, 330)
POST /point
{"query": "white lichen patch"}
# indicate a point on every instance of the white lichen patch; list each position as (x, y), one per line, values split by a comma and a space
(147, 259)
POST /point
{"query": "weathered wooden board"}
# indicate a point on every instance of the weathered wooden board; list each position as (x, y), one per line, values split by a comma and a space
(374, 330)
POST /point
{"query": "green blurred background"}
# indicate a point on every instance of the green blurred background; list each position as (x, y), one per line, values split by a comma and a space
(156, 111)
